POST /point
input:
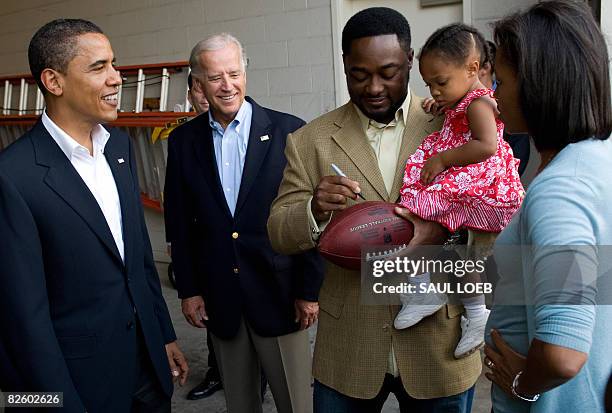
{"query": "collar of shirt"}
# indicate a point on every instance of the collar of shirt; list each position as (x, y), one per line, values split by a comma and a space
(245, 111)
(402, 112)
(67, 144)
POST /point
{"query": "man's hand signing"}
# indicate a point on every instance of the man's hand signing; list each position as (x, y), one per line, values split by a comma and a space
(331, 194)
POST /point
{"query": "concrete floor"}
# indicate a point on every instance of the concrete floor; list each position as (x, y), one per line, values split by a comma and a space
(192, 342)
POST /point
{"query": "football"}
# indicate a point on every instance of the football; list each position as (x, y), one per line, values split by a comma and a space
(367, 224)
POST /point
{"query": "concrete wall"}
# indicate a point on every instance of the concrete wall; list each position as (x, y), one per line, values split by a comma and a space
(288, 41)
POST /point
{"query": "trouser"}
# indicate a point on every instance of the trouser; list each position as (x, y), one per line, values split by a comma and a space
(285, 361)
(328, 400)
(212, 360)
(148, 396)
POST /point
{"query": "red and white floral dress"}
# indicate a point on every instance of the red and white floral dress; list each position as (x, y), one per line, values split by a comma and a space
(481, 196)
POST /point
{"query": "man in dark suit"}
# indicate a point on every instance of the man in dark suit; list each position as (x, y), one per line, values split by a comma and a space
(81, 309)
(212, 379)
(224, 168)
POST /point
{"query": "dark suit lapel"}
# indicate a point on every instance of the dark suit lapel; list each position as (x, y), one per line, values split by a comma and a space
(118, 161)
(256, 152)
(64, 180)
(351, 138)
(205, 152)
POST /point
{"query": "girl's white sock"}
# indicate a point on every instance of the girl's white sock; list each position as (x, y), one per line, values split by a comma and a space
(420, 279)
(474, 306)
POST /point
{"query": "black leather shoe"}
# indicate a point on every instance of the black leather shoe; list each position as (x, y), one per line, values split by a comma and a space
(208, 386)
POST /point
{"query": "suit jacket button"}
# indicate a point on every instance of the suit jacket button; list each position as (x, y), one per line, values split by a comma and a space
(236, 271)
(235, 235)
(130, 325)
(385, 327)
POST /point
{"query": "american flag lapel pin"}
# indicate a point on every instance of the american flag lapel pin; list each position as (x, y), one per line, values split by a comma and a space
(120, 160)
(264, 138)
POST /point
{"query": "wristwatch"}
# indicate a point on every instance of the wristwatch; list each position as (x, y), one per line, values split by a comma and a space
(514, 386)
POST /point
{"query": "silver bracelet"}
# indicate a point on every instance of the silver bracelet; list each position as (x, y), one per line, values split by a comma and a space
(520, 396)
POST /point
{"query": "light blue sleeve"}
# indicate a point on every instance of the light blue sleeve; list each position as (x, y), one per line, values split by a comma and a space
(560, 220)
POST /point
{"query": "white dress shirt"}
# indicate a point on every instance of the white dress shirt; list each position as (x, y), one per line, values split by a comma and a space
(94, 171)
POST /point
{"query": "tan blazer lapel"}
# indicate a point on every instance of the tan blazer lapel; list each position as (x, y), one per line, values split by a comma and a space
(417, 123)
(351, 138)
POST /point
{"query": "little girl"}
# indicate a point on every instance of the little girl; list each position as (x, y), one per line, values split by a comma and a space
(463, 176)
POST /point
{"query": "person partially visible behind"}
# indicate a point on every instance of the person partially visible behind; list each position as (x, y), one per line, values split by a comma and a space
(548, 347)
(486, 72)
(519, 142)
(463, 176)
(198, 101)
(212, 379)
(196, 97)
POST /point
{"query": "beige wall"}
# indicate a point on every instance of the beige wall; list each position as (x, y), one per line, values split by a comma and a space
(288, 41)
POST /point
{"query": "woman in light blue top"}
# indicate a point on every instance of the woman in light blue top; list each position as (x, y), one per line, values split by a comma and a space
(549, 335)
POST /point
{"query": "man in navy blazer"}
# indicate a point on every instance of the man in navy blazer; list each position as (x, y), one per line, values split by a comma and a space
(81, 309)
(224, 168)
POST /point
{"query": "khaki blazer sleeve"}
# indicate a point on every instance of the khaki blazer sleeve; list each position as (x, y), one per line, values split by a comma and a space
(288, 225)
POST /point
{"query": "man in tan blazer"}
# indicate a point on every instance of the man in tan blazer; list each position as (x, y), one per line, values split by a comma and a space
(359, 357)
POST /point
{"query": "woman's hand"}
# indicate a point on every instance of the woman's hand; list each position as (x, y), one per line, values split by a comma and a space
(505, 363)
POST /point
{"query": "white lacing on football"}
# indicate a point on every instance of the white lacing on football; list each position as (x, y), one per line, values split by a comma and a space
(385, 254)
